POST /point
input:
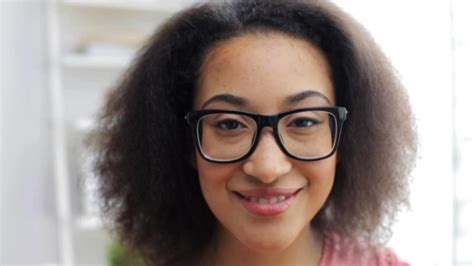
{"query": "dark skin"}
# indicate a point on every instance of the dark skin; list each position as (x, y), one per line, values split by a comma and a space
(289, 74)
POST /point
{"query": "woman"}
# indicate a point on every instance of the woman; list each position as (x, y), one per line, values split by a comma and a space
(225, 145)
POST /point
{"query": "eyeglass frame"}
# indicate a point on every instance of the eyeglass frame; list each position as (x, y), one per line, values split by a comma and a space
(340, 113)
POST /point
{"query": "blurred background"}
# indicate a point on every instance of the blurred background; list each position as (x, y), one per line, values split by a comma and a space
(60, 57)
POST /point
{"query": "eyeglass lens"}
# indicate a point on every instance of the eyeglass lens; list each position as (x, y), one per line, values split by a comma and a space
(306, 134)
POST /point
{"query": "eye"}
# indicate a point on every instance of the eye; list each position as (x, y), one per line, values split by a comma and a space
(304, 122)
(229, 124)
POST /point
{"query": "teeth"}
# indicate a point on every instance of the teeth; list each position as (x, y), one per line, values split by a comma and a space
(262, 201)
(272, 200)
(281, 198)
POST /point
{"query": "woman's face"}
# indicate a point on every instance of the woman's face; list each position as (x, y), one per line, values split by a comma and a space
(267, 73)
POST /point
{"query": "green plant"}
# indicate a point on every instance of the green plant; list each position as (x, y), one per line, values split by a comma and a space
(120, 255)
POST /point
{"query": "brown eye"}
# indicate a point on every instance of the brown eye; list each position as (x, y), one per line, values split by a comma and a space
(229, 124)
(304, 122)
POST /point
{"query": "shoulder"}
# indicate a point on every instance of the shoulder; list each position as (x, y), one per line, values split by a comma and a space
(340, 250)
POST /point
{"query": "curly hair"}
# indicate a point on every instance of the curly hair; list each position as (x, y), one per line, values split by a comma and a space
(150, 189)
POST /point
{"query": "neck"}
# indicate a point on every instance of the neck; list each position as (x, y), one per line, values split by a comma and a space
(225, 249)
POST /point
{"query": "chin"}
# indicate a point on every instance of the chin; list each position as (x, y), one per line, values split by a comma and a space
(267, 245)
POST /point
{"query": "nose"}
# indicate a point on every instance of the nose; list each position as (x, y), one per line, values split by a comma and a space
(267, 162)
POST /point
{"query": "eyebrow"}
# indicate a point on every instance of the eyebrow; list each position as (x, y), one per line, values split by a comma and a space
(241, 102)
(306, 94)
(228, 98)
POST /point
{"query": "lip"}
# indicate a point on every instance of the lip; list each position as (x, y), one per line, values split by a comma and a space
(268, 192)
(267, 210)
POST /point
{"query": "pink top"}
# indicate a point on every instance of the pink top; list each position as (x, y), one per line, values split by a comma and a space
(343, 251)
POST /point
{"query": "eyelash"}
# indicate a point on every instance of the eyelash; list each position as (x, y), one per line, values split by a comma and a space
(313, 121)
(224, 122)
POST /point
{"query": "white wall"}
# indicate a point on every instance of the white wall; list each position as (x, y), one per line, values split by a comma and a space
(416, 35)
(28, 220)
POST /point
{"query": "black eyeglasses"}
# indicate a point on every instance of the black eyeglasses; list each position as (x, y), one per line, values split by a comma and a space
(309, 134)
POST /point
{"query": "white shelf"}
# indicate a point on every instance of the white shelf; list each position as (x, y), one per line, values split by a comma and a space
(96, 62)
(101, 37)
(90, 223)
(165, 6)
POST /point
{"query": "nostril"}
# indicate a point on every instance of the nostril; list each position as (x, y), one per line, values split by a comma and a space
(266, 171)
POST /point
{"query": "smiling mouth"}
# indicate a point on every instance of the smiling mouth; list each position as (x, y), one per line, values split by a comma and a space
(267, 202)
(264, 200)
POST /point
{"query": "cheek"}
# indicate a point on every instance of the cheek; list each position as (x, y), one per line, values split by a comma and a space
(213, 173)
(320, 176)
(322, 171)
(214, 178)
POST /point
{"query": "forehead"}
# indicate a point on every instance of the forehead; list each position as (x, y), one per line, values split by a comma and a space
(265, 69)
